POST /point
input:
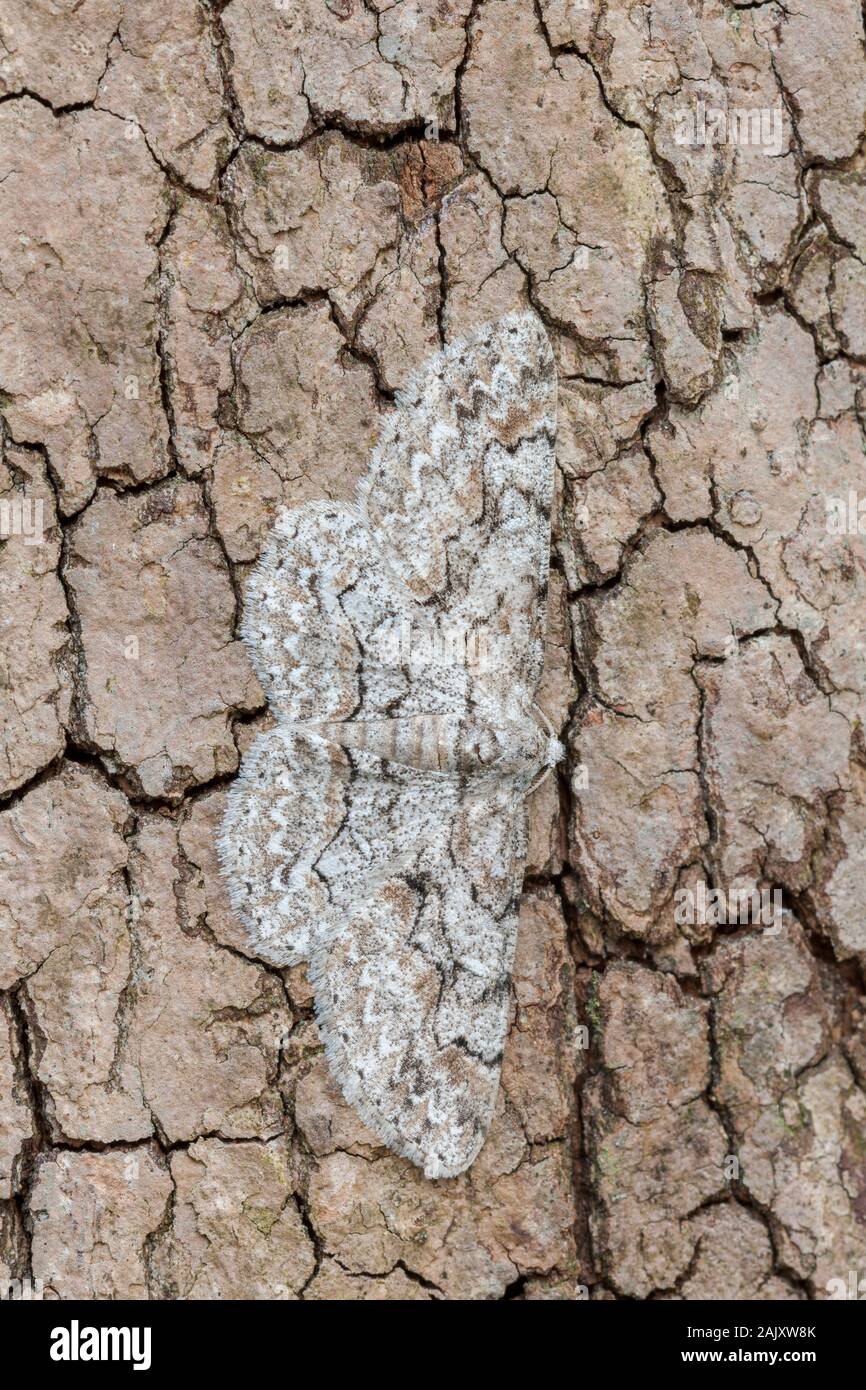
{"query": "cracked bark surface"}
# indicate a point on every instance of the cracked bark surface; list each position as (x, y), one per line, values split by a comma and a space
(227, 235)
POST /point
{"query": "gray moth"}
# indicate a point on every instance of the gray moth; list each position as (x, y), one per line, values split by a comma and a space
(378, 831)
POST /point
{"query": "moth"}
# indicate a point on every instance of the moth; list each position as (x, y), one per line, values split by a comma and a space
(378, 831)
